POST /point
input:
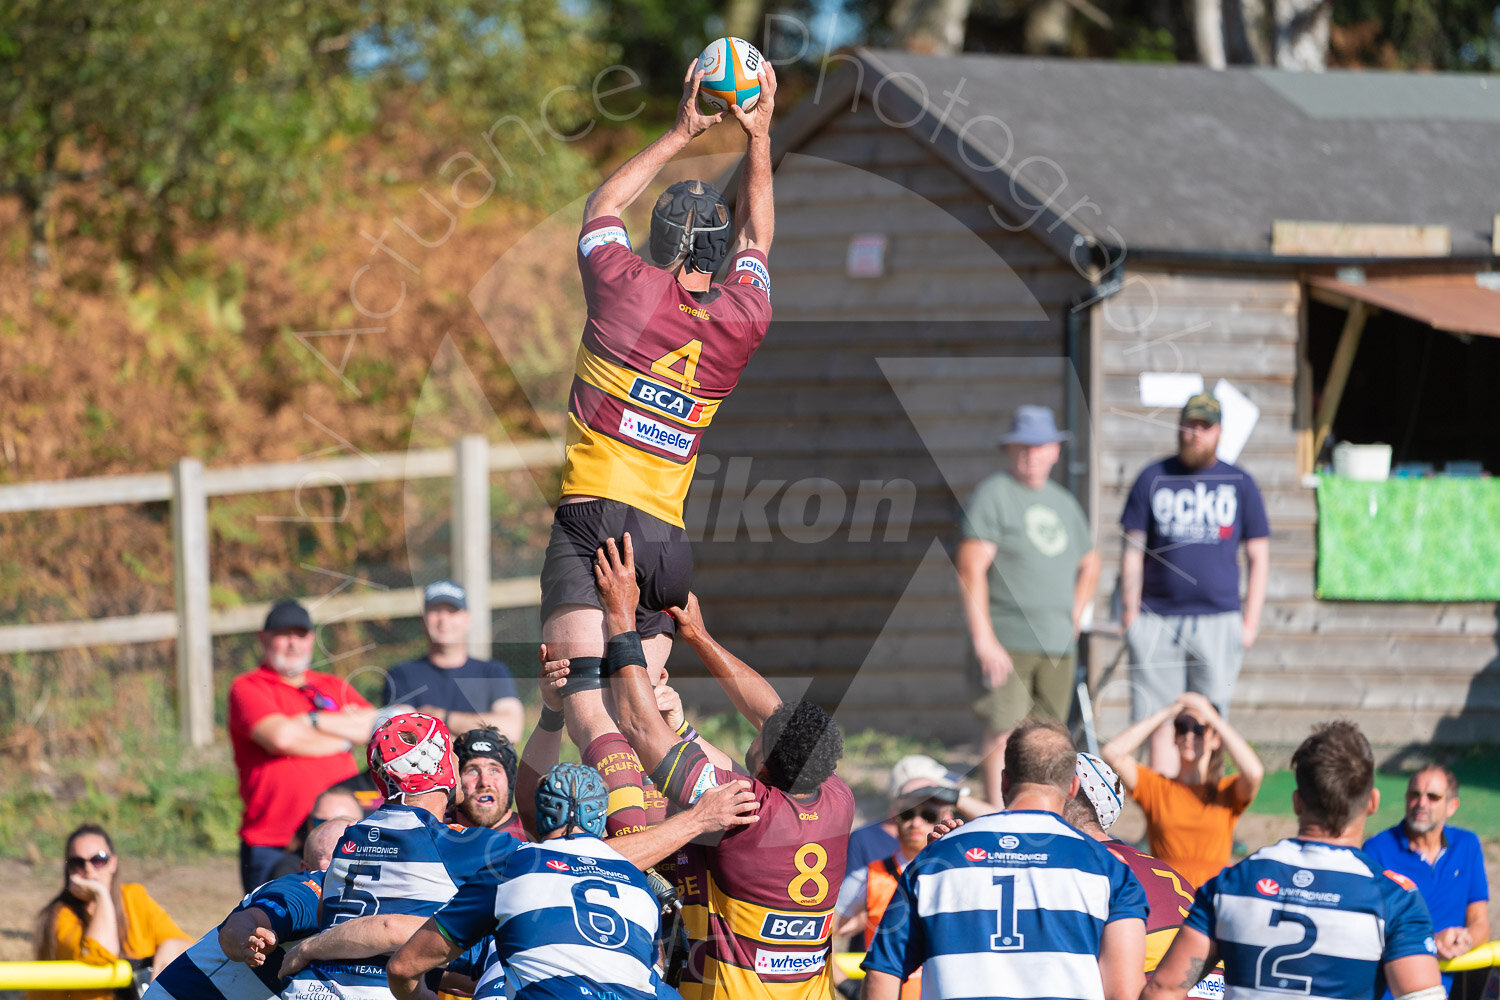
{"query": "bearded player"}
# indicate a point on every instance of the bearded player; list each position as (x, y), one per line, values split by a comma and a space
(662, 346)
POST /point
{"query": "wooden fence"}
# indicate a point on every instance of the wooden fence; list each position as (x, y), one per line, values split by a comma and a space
(194, 622)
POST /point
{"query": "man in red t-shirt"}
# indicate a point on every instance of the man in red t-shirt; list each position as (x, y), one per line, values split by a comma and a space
(292, 729)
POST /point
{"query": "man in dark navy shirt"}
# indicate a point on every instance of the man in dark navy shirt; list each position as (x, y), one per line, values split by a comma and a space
(1184, 522)
(449, 684)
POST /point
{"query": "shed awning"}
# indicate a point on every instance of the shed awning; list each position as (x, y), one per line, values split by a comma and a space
(1456, 303)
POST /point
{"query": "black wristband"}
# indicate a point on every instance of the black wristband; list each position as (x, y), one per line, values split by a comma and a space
(551, 720)
(624, 650)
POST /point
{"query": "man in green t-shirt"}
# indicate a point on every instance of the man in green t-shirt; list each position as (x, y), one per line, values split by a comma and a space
(1028, 568)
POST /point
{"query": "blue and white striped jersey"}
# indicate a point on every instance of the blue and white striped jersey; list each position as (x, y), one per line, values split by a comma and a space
(1310, 919)
(1009, 905)
(570, 918)
(400, 860)
(204, 973)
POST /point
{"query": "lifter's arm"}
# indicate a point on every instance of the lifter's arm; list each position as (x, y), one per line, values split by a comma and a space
(621, 188)
(640, 719)
(751, 693)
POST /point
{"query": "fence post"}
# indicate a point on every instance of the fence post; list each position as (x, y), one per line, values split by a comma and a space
(471, 536)
(195, 676)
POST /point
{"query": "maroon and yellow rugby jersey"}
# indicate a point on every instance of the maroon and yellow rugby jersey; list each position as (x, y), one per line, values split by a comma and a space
(654, 364)
(769, 887)
(1168, 893)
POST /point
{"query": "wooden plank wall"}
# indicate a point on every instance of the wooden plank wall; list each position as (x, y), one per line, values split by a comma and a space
(1408, 673)
(907, 379)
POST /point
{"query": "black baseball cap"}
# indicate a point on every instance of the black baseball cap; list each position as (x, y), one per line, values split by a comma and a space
(287, 614)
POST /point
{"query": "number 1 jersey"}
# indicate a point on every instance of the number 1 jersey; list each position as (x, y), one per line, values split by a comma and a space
(654, 364)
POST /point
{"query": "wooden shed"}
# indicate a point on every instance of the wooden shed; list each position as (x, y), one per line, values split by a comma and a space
(957, 236)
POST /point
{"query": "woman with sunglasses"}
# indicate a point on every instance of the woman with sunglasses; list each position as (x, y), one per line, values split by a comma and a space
(920, 807)
(98, 919)
(1190, 818)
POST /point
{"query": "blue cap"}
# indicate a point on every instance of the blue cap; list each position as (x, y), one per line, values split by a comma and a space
(1033, 425)
(444, 592)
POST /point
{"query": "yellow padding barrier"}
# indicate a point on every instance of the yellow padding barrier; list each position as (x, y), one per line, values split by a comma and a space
(63, 975)
(848, 963)
(1483, 957)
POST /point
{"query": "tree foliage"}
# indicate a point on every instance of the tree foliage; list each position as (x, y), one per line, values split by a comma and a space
(180, 110)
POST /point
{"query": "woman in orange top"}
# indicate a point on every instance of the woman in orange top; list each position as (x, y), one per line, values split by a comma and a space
(97, 919)
(1190, 818)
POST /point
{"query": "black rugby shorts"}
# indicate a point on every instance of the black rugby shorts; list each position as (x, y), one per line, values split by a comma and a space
(663, 560)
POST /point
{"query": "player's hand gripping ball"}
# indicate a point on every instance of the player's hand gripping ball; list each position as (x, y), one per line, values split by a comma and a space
(731, 68)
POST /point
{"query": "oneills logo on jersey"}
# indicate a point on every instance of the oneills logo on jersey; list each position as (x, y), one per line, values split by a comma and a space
(1268, 887)
(677, 405)
(609, 234)
(794, 927)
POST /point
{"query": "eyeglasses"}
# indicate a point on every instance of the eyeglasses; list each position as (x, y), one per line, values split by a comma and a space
(97, 861)
(929, 813)
(320, 701)
(1185, 726)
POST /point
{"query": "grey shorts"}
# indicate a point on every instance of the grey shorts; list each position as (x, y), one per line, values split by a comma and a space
(1170, 654)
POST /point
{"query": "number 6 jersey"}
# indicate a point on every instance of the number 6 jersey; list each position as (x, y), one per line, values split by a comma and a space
(654, 364)
(1305, 918)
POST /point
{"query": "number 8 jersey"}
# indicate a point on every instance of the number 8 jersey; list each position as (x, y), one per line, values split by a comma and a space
(654, 364)
(1310, 919)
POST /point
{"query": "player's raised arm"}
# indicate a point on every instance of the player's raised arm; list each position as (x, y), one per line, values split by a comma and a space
(621, 188)
(751, 693)
(625, 662)
(757, 208)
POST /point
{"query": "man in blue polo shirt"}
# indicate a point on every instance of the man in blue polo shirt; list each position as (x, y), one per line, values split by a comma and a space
(1446, 863)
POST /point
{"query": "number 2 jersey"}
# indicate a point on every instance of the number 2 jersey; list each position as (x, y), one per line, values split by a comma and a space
(768, 889)
(400, 860)
(1310, 919)
(654, 364)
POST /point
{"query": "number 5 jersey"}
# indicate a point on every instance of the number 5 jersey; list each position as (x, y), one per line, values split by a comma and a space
(654, 364)
(400, 860)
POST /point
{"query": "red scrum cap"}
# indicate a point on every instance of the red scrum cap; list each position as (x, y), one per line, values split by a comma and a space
(410, 754)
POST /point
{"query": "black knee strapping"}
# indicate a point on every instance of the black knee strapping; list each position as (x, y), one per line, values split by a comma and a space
(585, 673)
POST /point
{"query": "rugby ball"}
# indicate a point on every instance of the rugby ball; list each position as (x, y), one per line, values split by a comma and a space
(730, 68)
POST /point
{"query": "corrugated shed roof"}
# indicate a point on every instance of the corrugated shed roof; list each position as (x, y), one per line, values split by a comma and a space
(1182, 159)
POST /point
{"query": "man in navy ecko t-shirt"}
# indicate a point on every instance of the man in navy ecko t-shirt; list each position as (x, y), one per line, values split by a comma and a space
(1194, 522)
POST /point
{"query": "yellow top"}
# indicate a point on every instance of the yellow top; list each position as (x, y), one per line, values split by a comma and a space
(147, 925)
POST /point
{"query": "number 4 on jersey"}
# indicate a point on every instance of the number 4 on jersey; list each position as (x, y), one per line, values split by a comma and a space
(687, 356)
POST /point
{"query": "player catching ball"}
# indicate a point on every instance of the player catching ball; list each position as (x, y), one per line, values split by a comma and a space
(662, 346)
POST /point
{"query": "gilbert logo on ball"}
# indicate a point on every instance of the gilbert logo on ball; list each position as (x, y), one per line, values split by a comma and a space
(730, 67)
